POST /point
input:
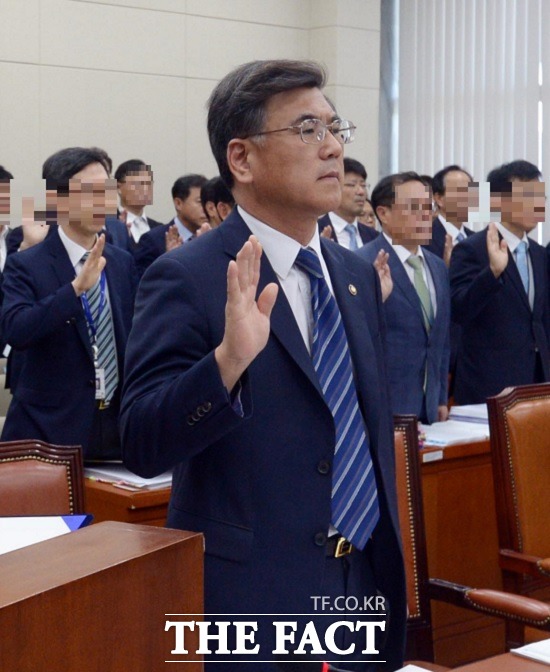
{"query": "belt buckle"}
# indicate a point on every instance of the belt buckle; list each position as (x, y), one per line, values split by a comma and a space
(343, 547)
(103, 404)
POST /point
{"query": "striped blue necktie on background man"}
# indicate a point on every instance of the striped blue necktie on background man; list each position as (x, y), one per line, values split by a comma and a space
(355, 510)
(105, 337)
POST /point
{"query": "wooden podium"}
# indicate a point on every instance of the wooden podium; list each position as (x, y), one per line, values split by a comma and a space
(97, 599)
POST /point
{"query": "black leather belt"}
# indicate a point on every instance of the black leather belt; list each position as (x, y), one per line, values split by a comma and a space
(337, 547)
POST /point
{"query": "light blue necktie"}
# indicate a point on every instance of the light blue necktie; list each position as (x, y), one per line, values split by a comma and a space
(105, 337)
(521, 261)
(355, 510)
(352, 232)
(460, 237)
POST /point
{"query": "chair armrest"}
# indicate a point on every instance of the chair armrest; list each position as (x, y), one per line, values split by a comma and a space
(493, 602)
(521, 563)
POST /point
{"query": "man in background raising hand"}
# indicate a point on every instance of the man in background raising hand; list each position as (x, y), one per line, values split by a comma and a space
(67, 313)
(283, 453)
(499, 290)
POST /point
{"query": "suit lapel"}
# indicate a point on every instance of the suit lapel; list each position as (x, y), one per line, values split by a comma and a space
(536, 255)
(283, 324)
(515, 278)
(63, 269)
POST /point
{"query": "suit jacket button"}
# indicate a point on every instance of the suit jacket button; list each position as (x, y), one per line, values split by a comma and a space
(323, 467)
(91, 383)
(320, 539)
(190, 420)
(206, 406)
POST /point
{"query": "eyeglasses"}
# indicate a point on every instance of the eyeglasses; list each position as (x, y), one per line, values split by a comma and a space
(314, 131)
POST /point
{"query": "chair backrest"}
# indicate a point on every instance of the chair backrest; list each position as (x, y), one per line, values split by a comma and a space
(519, 420)
(411, 520)
(40, 479)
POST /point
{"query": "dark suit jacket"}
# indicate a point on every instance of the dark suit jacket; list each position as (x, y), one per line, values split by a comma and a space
(410, 348)
(54, 398)
(437, 244)
(257, 485)
(367, 233)
(501, 336)
(151, 245)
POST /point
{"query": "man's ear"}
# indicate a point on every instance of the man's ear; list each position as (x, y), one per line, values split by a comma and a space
(223, 209)
(382, 212)
(238, 160)
(438, 198)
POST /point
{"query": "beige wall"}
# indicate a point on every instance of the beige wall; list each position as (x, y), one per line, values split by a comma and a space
(133, 76)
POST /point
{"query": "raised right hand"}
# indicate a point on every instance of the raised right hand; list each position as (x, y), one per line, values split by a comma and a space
(247, 320)
(91, 270)
(497, 251)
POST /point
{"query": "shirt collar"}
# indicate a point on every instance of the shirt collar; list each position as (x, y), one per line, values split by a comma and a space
(511, 239)
(451, 228)
(401, 251)
(131, 217)
(339, 223)
(184, 232)
(280, 249)
(74, 250)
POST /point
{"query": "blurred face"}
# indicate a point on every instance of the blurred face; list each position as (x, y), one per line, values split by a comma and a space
(88, 202)
(289, 181)
(354, 193)
(524, 208)
(190, 210)
(367, 216)
(4, 197)
(409, 220)
(460, 195)
(136, 190)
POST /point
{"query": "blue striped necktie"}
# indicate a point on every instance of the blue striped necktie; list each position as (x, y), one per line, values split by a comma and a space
(355, 509)
(105, 337)
(352, 233)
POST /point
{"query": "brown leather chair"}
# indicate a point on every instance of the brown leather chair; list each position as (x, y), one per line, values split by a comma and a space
(519, 420)
(420, 588)
(40, 479)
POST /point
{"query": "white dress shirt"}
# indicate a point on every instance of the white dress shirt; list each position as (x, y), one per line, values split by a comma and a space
(452, 229)
(343, 236)
(281, 251)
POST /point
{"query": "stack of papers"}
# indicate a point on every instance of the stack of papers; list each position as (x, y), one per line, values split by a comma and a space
(120, 477)
(454, 432)
(472, 413)
(537, 651)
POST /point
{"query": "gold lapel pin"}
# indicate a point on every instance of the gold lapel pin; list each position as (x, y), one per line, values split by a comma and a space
(352, 290)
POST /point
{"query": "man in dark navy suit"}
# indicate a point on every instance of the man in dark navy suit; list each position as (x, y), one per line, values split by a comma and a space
(67, 311)
(247, 371)
(499, 289)
(454, 193)
(342, 225)
(135, 189)
(190, 221)
(418, 309)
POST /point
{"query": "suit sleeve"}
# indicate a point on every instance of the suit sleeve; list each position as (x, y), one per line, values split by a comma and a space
(473, 284)
(25, 318)
(145, 253)
(174, 402)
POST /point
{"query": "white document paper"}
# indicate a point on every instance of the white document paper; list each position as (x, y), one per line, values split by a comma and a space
(470, 413)
(453, 432)
(539, 651)
(20, 531)
(119, 475)
(412, 668)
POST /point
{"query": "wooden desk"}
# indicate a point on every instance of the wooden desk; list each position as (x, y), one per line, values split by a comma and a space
(107, 502)
(462, 543)
(505, 663)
